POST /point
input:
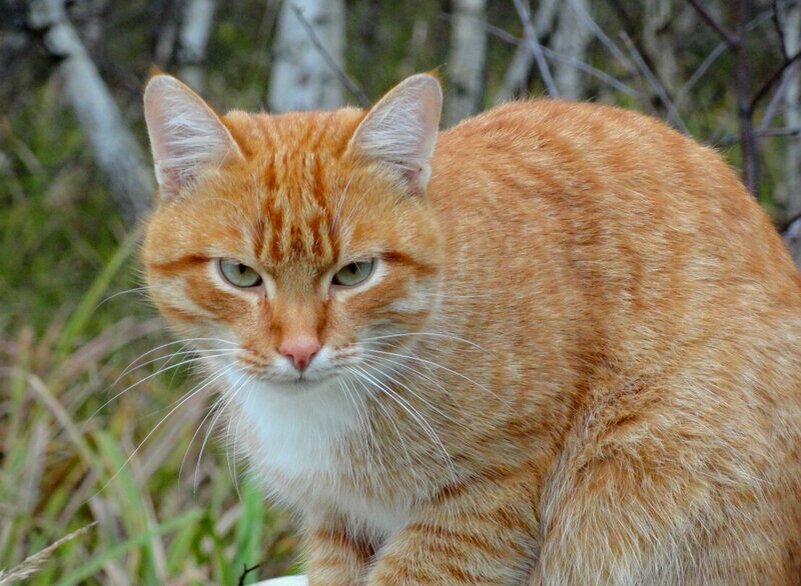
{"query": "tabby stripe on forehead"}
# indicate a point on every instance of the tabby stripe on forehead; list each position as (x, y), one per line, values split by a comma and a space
(180, 264)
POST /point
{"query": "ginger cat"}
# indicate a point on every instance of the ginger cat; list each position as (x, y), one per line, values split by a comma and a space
(556, 344)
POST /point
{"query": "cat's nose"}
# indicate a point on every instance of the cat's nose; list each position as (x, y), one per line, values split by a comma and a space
(300, 351)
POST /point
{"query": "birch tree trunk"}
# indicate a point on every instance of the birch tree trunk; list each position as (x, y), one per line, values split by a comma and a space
(789, 195)
(116, 151)
(301, 78)
(571, 39)
(198, 17)
(466, 60)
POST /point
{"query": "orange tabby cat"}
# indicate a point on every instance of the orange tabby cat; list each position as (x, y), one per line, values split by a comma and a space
(556, 344)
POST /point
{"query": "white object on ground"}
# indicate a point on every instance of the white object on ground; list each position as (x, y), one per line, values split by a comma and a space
(286, 581)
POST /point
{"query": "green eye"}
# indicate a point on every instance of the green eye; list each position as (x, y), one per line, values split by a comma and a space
(238, 274)
(353, 274)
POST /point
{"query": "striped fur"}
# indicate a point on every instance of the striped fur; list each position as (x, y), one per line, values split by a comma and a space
(576, 362)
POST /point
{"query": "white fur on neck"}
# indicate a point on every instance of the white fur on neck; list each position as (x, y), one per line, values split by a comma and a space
(299, 435)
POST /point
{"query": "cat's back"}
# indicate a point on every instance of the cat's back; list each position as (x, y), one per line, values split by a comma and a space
(606, 187)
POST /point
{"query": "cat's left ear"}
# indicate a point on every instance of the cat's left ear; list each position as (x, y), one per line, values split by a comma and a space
(186, 135)
(401, 129)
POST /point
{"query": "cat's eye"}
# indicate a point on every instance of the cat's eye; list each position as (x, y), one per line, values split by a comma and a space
(238, 274)
(353, 274)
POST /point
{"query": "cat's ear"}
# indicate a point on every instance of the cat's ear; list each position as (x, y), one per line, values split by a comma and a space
(401, 129)
(186, 136)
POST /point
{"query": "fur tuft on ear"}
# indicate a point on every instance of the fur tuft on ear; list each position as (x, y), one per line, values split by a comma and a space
(401, 129)
(186, 136)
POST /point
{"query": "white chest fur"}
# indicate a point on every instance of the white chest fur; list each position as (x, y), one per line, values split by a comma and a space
(298, 437)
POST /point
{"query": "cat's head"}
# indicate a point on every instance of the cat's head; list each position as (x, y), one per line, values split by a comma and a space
(295, 244)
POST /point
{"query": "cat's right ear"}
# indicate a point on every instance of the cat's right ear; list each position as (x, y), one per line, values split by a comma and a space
(186, 136)
(400, 131)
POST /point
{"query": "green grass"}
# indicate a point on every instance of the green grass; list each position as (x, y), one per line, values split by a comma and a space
(66, 459)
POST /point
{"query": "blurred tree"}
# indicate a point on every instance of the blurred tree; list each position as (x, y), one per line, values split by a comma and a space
(571, 38)
(116, 151)
(193, 38)
(307, 53)
(788, 17)
(466, 60)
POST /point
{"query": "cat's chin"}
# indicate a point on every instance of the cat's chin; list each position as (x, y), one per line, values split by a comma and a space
(297, 385)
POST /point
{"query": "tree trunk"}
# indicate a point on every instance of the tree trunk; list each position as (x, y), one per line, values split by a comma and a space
(116, 151)
(198, 17)
(301, 78)
(466, 60)
(789, 195)
(571, 39)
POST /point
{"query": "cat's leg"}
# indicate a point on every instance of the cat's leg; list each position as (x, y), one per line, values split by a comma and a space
(335, 557)
(480, 532)
(649, 495)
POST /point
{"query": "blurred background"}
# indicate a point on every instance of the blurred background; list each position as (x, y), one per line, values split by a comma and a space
(95, 435)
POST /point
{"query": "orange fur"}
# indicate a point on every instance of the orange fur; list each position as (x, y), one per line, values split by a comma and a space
(594, 373)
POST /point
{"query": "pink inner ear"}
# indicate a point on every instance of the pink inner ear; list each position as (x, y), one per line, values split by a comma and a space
(410, 176)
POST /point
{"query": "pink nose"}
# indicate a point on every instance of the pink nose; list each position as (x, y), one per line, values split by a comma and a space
(300, 352)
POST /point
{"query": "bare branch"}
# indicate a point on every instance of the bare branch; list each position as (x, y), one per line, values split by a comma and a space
(605, 40)
(731, 39)
(656, 85)
(344, 78)
(551, 54)
(773, 105)
(515, 80)
(776, 76)
(536, 48)
(713, 56)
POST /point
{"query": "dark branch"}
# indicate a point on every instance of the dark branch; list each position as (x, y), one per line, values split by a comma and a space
(730, 38)
(777, 75)
(245, 572)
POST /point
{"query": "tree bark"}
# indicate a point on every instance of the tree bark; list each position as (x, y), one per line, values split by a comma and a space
(570, 39)
(116, 151)
(466, 60)
(196, 24)
(789, 194)
(301, 78)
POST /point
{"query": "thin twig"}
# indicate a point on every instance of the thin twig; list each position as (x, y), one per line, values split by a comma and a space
(773, 105)
(681, 95)
(556, 56)
(245, 572)
(536, 48)
(656, 85)
(344, 78)
(730, 140)
(777, 23)
(772, 81)
(605, 40)
(730, 38)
